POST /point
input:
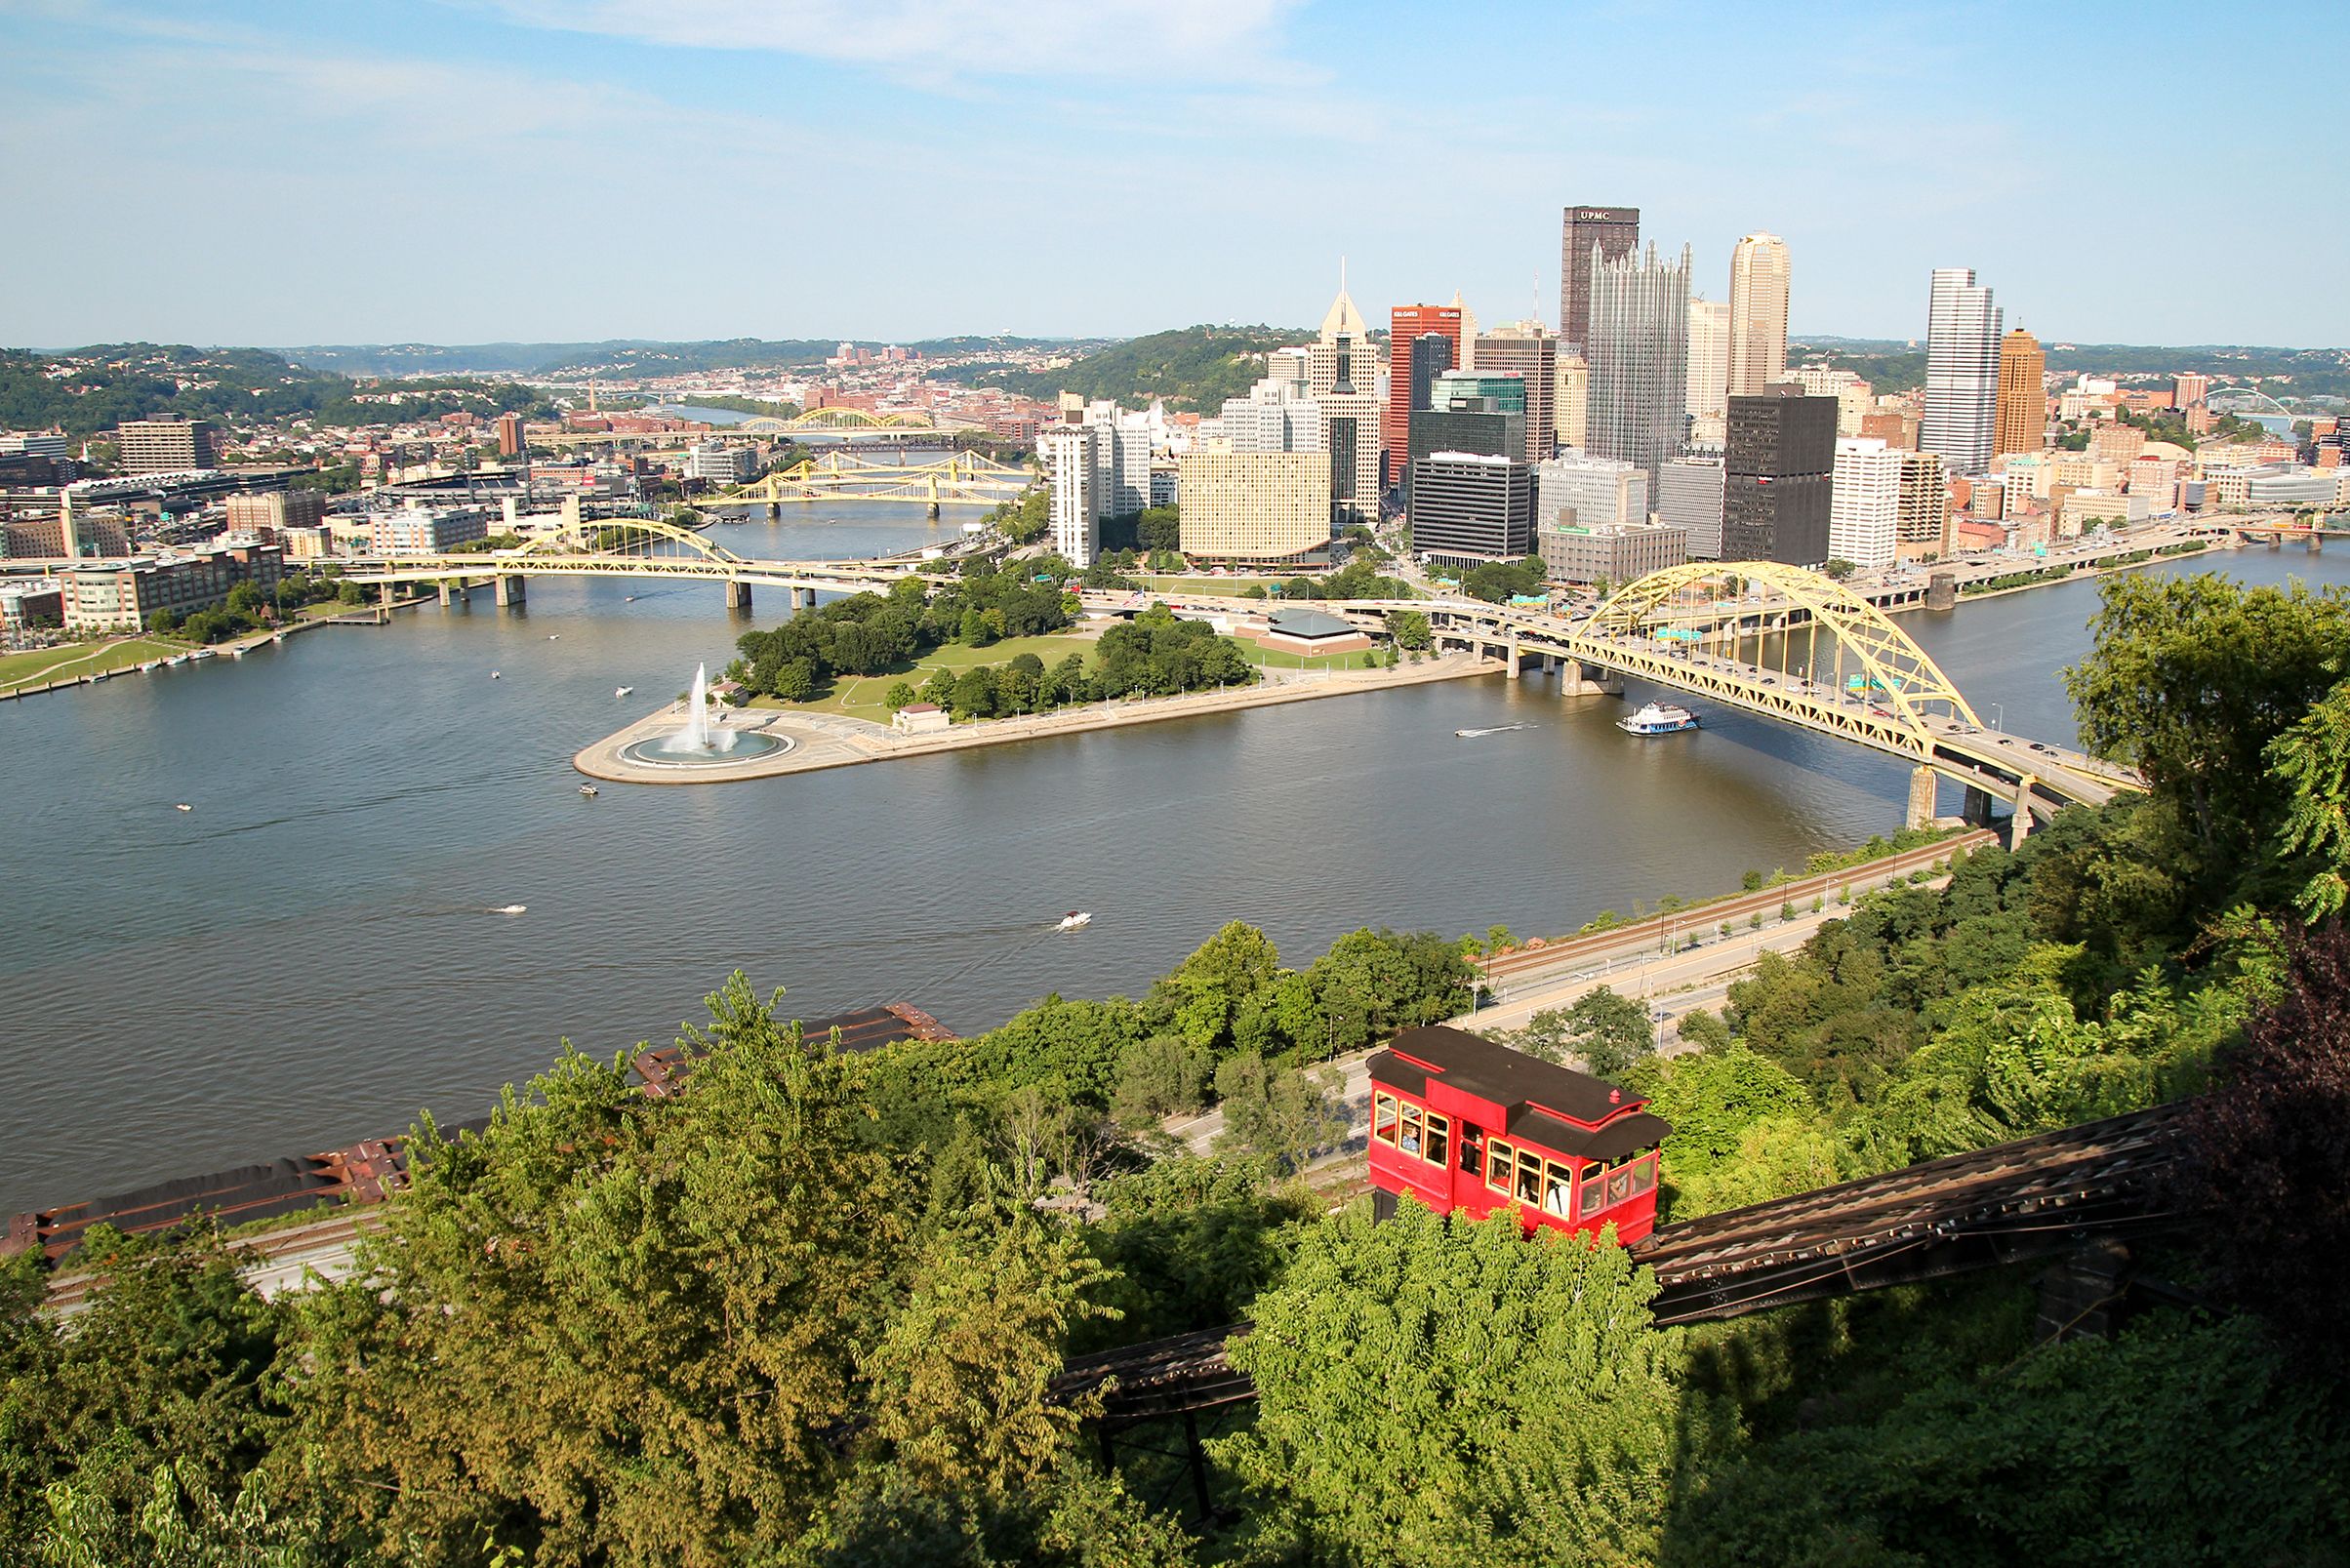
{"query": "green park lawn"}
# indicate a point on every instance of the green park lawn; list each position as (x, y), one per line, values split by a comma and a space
(1228, 587)
(1282, 658)
(41, 666)
(860, 697)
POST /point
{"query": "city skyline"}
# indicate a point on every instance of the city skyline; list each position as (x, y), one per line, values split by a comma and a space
(720, 137)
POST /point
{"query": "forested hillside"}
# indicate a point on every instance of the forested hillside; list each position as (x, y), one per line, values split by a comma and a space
(1194, 368)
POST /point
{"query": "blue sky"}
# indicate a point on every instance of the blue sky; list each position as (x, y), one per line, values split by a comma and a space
(474, 170)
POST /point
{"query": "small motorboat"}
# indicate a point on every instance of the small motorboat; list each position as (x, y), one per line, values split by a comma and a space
(205, 653)
(1490, 729)
(509, 908)
(494, 674)
(622, 691)
(554, 636)
(175, 660)
(182, 806)
(631, 599)
(589, 790)
(1073, 919)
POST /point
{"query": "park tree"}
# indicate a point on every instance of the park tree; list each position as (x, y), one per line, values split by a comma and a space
(1289, 1115)
(899, 694)
(1605, 1033)
(1208, 991)
(1164, 1075)
(1411, 629)
(1837, 569)
(1191, 1243)
(1433, 1391)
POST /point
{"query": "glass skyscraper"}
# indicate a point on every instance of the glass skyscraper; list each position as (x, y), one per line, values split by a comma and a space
(1962, 373)
(1639, 359)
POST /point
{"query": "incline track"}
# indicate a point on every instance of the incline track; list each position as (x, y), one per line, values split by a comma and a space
(2036, 1195)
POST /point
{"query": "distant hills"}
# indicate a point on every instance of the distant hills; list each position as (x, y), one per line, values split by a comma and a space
(1193, 368)
(620, 356)
(1892, 366)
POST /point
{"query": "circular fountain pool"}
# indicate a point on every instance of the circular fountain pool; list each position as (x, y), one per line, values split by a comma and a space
(677, 750)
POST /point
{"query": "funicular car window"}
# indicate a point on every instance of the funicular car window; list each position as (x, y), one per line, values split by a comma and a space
(1411, 1130)
(1382, 1118)
(1439, 1133)
(1556, 1183)
(1498, 1156)
(1529, 1176)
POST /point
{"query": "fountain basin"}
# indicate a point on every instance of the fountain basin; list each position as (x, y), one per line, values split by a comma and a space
(664, 752)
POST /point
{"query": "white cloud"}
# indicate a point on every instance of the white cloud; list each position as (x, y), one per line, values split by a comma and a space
(1227, 40)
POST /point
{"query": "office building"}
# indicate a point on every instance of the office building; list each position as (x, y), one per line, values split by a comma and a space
(718, 463)
(1528, 350)
(1573, 403)
(1410, 371)
(1778, 477)
(1261, 508)
(167, 446)
(270, 512)
(2190, 395)
(120, 596)
(1864, 507)
(511, 442)
(1613, 232)
(1466, 358)
(1069, 468)
(2023, 397)
(1351, 420)
(1275, 415)
(1583, 492)
(1709, 359)
(50, 444)
(2156, 479)
(1922, 520)
(416, 530)
(1962, 373)
(1639, 353)
(1122, 460)
(1854, 398)
(1688, 497)
(1342, 325)
(1469, 508)
(1613, 555)
(1758, 277)
(1470, 413)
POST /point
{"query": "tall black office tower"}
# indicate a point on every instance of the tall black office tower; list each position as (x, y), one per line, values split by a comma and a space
(1780, 468)
(1616, 230)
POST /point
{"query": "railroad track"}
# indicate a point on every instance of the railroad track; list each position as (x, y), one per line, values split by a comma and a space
(2014, 1201)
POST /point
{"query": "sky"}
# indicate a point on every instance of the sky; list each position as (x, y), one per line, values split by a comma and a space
(465, 171)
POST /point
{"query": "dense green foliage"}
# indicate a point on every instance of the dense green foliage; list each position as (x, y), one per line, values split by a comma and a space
(1194, 369)
(1499, 582)
(116, 382)
(807, 1309)
(873, 634)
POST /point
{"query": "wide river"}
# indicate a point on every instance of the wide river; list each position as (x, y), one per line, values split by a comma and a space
(310, 954)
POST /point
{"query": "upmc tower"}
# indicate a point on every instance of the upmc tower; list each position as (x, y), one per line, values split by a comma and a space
(1616, 230)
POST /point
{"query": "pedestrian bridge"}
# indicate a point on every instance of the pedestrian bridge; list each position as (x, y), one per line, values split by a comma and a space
(957, 479)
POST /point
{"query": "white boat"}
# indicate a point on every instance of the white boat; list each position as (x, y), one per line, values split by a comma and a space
(1658, 719)
(494, 674)
(622, 691)
(1490, 729)
(183, 806)
(175, 660)
(589, 790)
(205, 653)
(554, 636)
(1073, 919)
(509, 908)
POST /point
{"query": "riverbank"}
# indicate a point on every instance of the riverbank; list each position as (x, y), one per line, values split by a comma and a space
(826, 741)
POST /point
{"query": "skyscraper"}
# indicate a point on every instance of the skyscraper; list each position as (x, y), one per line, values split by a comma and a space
(2023, 398)
(1574, 400)
(1407, 324)
(1526, 349)
(1351, 420)
(1068, 460)
(1617, 232)
(1864, 507)
(1640, 358)
(1709, 358)
(1778, 481)
(1757, 313)
(1962, 373)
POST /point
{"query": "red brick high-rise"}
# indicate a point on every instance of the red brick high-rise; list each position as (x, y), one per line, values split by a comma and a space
(1406, 325)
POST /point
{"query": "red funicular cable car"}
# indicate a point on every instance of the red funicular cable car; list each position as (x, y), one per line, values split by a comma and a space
(1463, 1124)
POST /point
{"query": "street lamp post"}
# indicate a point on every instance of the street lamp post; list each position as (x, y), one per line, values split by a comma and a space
(1998, 716)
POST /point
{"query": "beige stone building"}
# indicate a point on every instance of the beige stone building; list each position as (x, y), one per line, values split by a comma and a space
(1255, 508)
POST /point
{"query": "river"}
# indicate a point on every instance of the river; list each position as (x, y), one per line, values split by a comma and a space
(310, 956)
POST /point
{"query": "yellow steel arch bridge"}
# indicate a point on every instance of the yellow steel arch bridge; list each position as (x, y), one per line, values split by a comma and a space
(1777, 641)
(955, 479)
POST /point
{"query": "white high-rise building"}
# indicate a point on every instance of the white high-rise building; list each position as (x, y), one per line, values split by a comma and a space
(1122, 460)
(1640, 358)
(1709, 359)
(1864, 503)
(1960, 422)
(1069, 461)
(1275, 415)
(1589, 492)
(1688, 497)
(1759, 275)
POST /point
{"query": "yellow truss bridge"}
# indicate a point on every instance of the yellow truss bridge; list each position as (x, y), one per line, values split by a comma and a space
(1783, 643)
(851, 420)
(628, 547)
(957, 479)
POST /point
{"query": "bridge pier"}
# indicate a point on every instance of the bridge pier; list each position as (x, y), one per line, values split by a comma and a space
(1513, 655)
(1922, 798)
(448, 591)
(509, 591)
(1975, 807)
(775, 511)
(1578, 679)
(2020, 826)
(1942, 590)
(738, 596)
(385, 593)
(2317, 543)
